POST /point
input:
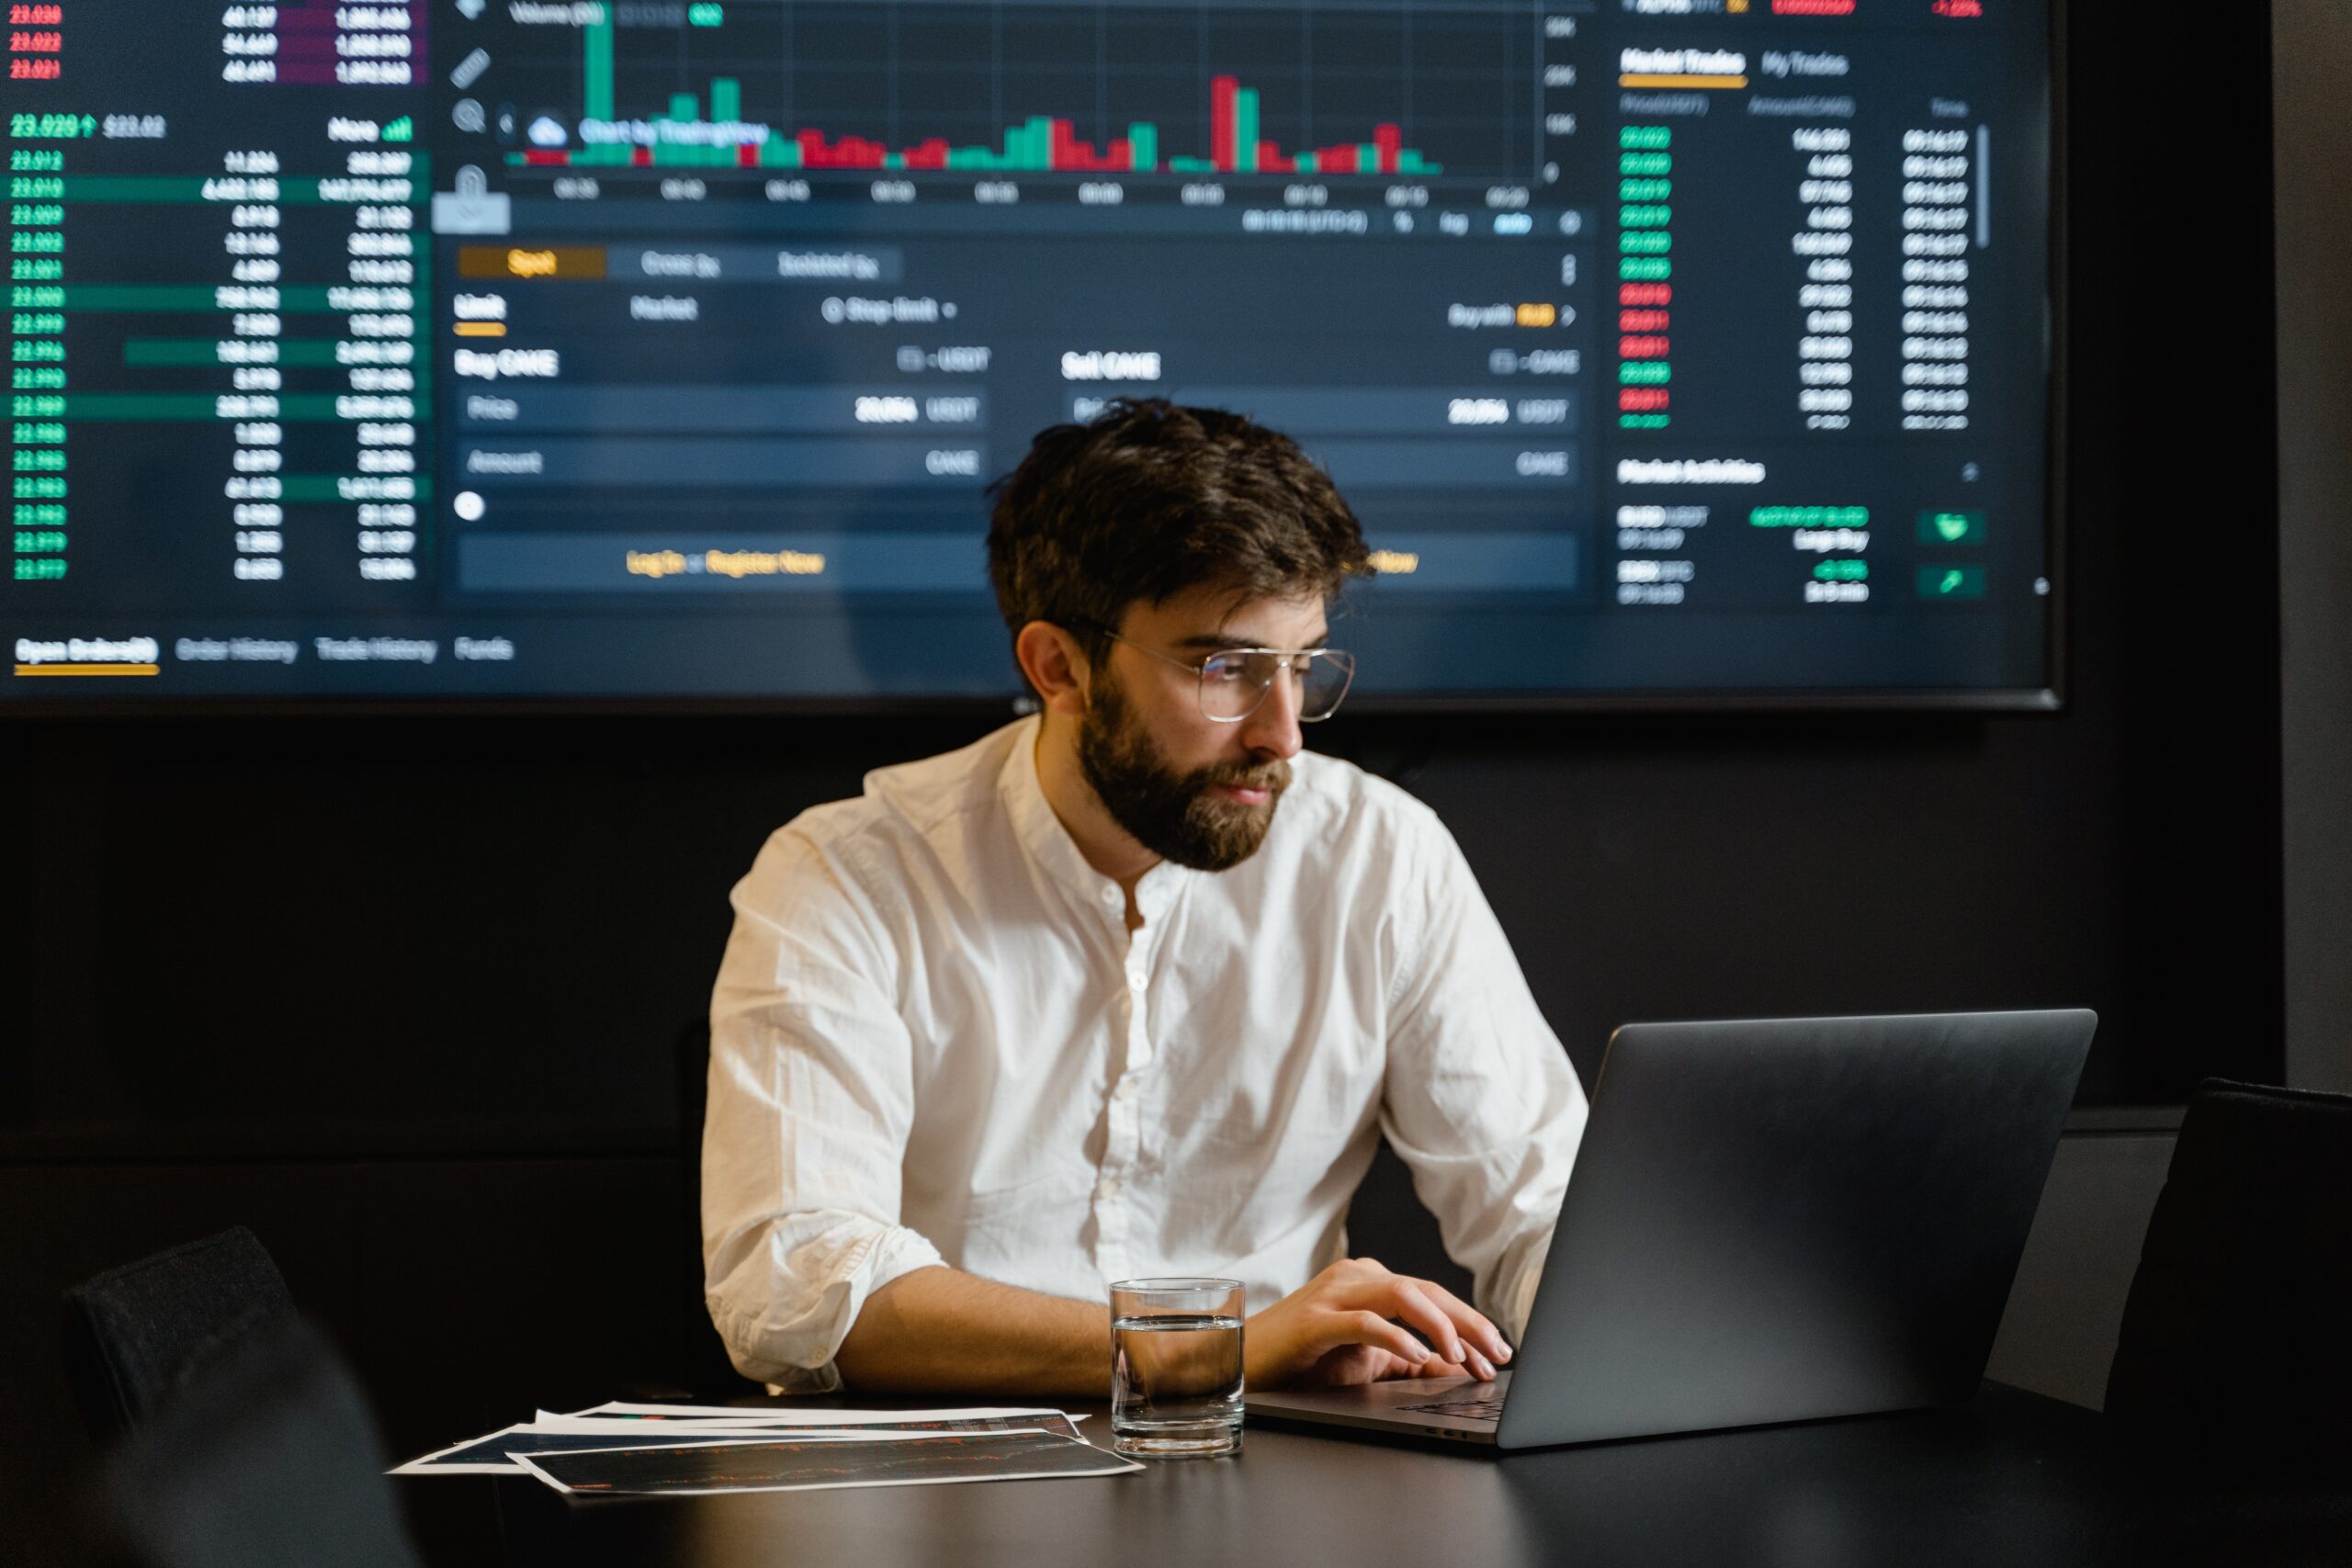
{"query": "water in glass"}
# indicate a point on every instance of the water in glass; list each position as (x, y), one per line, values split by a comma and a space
(1176, 1368)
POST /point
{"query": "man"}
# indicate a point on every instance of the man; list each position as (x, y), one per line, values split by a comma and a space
(1127, 989)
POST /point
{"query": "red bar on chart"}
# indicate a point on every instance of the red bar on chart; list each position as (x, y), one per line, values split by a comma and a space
(1222, 138)
(1123, 156)
(1270, 156)
(1389, 139)
(1336, 159)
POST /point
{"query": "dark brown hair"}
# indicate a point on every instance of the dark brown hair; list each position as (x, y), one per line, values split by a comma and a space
(1150, 500)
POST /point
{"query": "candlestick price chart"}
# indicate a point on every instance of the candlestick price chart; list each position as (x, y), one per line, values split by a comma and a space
(1692, 350)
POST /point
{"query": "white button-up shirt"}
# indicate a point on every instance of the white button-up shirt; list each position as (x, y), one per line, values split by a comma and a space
(934, 1040)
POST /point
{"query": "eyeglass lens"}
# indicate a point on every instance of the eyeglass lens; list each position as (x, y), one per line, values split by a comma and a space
(1235, 684)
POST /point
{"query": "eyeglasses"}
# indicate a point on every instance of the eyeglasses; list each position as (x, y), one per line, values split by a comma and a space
(1234, 681)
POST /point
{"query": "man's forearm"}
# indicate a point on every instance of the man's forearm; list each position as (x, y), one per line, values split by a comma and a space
(941, 1329)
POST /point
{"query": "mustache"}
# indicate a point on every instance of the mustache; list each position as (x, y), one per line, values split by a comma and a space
(1272, 777)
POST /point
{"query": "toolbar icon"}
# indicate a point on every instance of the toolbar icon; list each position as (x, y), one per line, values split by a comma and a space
(473, 208)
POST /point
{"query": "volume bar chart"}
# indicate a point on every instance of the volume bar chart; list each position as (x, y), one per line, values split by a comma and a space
(630, 350)
(684, 136)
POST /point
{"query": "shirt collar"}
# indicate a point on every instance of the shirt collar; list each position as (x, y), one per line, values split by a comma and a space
(1051, 847)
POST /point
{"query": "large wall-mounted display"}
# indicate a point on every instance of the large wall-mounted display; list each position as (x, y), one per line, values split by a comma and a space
(1686, 349)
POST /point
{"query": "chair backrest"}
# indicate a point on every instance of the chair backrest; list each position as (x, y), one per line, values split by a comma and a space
(265, 1458)
(132, 1331)
(2240, 1319)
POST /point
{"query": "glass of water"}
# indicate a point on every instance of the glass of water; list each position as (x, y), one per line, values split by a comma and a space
(1176, 1368)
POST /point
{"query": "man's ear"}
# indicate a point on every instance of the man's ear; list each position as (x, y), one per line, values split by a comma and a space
(1054, 665)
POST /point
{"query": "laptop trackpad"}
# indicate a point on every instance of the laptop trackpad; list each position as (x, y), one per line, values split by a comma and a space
(1398, 1394)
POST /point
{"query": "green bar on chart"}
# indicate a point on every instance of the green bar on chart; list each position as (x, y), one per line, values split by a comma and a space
(597, 39)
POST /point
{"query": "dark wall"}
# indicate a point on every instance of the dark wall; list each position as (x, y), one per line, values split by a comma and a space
(2311, 44)
(404, 992)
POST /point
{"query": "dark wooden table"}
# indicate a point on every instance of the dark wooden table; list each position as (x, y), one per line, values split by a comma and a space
(2010, 1480)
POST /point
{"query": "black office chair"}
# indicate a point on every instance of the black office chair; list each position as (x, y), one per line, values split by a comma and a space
(2236, 1326)
(130, 1332)
(266, 1457)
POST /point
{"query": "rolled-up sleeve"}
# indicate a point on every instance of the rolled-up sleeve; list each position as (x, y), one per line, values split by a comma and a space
(1479, 1101)
(811, 1101)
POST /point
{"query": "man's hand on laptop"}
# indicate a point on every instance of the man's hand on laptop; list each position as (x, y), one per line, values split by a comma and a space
(1336, 1329)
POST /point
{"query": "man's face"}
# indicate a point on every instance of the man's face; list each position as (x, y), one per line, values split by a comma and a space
(1184, 786)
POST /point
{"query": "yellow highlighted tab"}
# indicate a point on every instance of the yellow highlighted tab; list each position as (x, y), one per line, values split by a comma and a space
(86, 670)
(1681, 81)
(585, 262)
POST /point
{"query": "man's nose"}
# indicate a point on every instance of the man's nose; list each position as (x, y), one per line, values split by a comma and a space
(1272, 730)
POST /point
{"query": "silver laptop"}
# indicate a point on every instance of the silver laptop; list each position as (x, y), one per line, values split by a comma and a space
(1774, 1220)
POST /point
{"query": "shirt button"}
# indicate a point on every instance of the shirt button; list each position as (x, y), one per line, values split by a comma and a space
(1111, 897)
(1110, 1187)
(1126, 1089)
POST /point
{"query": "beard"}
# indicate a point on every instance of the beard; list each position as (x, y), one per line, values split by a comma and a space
(1178, 816)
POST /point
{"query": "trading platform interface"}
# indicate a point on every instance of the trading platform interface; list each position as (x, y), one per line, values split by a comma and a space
(652, 349)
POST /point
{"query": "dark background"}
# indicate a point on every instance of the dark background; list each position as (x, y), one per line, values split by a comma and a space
(403, 993)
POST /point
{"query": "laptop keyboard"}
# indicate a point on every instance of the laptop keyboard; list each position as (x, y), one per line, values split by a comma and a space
(1484, 1407)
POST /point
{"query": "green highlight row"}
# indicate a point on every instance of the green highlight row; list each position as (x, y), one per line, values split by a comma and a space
(191, 407)
(329, 487)
(293, 298)
(204, 353)
(289, 487)
(167, 189)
